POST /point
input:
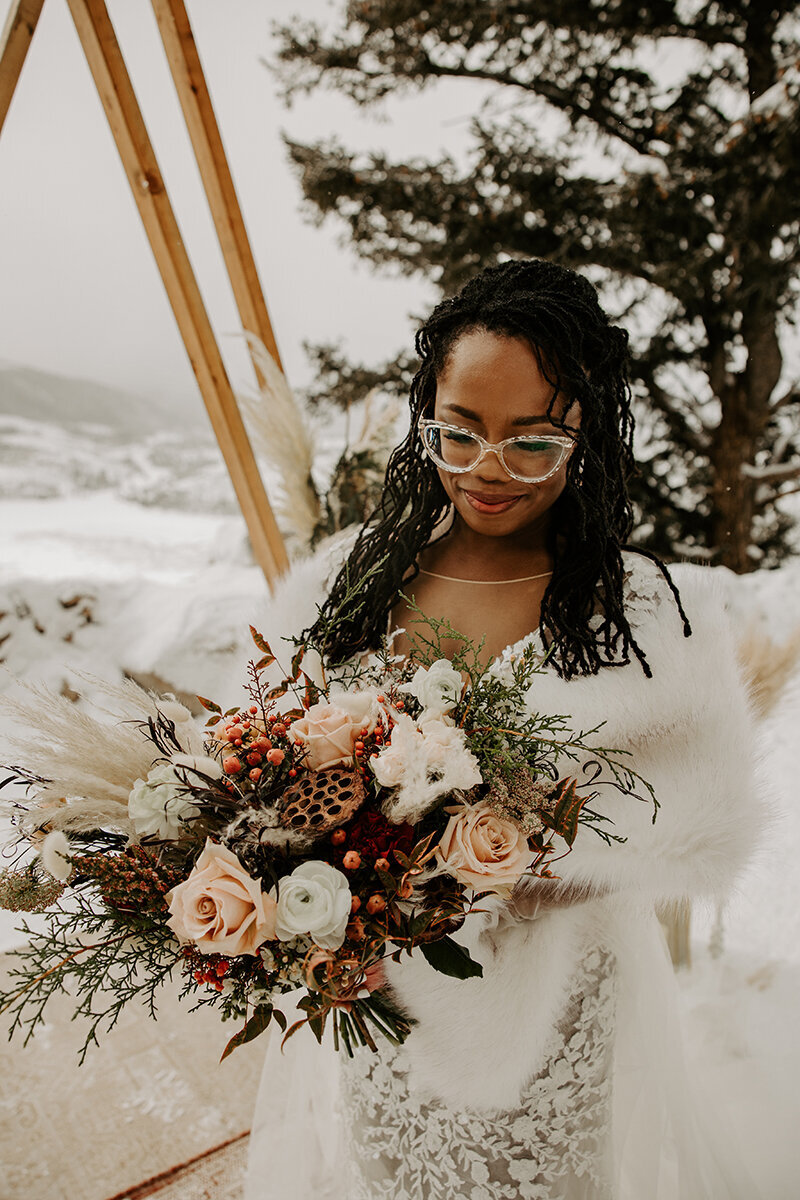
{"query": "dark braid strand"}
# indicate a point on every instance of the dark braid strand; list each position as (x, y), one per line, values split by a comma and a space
(557, 313)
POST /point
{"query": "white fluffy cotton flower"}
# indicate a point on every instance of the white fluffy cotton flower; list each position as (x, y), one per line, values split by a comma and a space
(315, 899)
(437, 687)
(54, 855)
(422, 764)
(159, 805)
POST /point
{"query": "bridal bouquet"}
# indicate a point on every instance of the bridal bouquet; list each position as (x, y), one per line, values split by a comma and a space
(296, 841)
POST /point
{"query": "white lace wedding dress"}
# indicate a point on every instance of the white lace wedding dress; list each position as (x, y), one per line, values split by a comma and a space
(555, 1143)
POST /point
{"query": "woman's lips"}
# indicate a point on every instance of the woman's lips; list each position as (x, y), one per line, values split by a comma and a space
(490, 504)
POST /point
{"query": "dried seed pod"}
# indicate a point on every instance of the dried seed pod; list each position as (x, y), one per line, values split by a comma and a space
(321, 800)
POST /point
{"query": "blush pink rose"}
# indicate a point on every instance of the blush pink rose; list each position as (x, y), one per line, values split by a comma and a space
(484, 850)
(328, 733)
(220, 907)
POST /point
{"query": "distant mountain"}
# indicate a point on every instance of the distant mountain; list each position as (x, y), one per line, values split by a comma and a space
(58, 400)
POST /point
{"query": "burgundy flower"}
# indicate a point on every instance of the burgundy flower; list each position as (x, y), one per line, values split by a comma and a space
(373, 836)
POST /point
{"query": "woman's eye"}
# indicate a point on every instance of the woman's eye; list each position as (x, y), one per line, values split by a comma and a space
(529, 447)
(458, 439)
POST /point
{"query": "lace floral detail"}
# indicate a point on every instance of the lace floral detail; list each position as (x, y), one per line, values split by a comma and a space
(555, 1146)
(644, 587)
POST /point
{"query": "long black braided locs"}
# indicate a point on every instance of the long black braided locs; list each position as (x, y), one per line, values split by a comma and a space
(584, 357)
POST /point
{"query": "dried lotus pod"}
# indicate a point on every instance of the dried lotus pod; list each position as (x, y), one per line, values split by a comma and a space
(321, 800)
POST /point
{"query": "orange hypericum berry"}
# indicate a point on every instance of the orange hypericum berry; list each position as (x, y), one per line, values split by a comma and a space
(352, 860)
(376, 904)
(231, 766)
(275, 757)
(253, 709)
(292, 772)
(255, 774)
(279, 730)
(355, 904)
(359, 746)
(254, 758)
(262, 743)
(338, 837)
(382, 864)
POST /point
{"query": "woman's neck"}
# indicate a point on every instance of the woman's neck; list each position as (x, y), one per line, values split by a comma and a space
(467, 554)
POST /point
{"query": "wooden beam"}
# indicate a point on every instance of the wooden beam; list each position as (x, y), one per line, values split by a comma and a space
(113, 84)
(18, 31)
(190, 83)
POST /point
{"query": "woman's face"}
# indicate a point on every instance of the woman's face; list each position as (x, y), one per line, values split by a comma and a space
(492, 385)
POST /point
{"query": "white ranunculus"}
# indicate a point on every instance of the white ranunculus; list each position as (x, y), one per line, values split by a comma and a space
(54, 855)
(159, 805)
(315, 899)
(437, 687)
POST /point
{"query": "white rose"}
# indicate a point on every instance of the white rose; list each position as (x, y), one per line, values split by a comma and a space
(159, 805)
(315, 899)
(438, 687)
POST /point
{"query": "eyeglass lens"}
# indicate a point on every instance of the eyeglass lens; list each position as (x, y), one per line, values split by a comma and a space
(530, 458)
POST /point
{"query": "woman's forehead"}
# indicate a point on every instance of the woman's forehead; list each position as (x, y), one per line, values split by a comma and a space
(493, 377)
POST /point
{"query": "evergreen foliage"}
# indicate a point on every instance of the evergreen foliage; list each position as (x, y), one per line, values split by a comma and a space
(685, 210)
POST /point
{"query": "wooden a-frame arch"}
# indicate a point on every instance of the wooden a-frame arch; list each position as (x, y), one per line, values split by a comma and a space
(115, 90)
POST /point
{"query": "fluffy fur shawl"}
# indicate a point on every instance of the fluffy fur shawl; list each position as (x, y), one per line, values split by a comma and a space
(688, 731)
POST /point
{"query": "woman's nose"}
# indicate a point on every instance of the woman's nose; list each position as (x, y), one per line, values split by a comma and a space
(491, 466)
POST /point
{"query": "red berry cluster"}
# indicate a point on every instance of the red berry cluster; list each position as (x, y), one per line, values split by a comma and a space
(254, 744)
(367, 844)
(209, 969)
(214, 975)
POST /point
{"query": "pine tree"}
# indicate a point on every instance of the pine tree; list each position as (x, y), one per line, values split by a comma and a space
(686, 208)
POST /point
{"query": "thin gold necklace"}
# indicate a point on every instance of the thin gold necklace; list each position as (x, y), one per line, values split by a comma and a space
(485, 582)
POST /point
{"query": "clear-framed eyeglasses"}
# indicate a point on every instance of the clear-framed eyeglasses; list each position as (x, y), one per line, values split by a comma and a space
(528, 459)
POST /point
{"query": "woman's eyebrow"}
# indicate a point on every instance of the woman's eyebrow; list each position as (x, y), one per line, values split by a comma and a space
(517, 423)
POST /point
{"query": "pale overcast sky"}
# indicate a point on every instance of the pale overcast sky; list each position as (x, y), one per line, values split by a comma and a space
(79, 291)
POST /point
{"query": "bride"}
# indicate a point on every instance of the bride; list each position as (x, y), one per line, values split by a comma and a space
(558, 1074)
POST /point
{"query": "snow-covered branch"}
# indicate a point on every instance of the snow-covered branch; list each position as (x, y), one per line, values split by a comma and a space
(774, 472)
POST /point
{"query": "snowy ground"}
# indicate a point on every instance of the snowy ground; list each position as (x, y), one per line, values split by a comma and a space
(126, 553)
